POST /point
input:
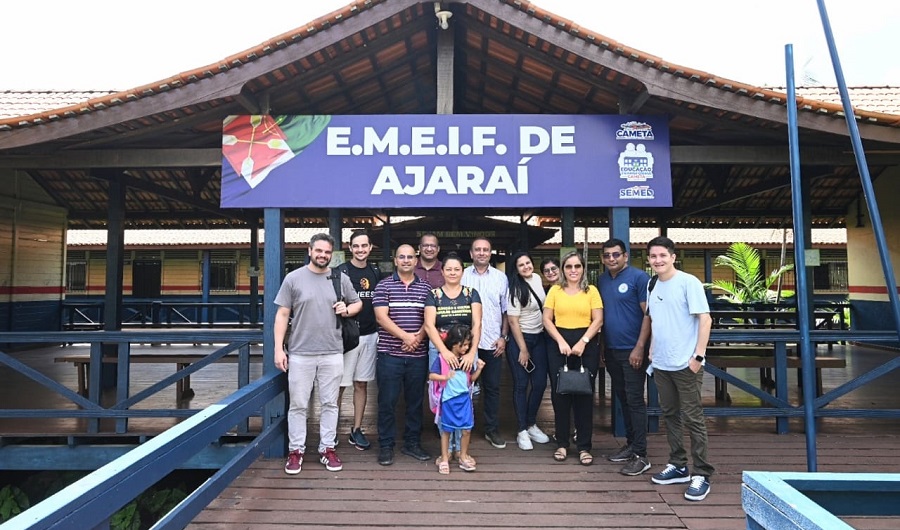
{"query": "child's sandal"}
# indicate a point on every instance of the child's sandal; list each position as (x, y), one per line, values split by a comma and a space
(467, 464)
(443, 466)
(560, 454)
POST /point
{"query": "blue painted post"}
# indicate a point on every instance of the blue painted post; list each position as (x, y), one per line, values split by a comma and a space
(803, 305)
(204, 288)
(863, 167)
(254, 277)
(274, 269)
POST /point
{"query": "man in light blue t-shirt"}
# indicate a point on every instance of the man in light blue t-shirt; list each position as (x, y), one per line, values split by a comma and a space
(680, 323)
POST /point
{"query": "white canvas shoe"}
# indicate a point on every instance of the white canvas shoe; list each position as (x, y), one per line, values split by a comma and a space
(537, 435)
(524, 441)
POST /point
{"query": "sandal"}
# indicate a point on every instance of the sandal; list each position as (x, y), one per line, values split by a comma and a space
(443, 466)
(560, 454)
(585, 458)
(467, 464)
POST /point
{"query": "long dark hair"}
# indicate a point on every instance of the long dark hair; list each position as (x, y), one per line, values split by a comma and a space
(457, 334)
(518, 287)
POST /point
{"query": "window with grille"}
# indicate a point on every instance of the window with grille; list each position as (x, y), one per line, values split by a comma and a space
(223, 276)
(76, 276)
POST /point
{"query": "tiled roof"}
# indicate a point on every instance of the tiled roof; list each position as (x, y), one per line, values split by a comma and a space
(28, 102)
(682, 236)
(342, 15)
(884, 99)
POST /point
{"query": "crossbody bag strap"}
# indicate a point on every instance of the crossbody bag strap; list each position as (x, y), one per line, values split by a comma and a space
(336, 282)
(536, 297)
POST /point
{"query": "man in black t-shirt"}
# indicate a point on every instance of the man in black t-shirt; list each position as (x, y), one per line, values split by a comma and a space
(359, 363)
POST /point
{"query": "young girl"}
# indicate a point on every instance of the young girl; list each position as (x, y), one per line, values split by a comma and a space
(454, 407)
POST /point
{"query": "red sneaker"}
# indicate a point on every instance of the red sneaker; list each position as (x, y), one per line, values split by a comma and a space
(331, 460)
(294, 462)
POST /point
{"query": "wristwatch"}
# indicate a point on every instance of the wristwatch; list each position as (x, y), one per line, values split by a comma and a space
(585, 340)
(700, 359)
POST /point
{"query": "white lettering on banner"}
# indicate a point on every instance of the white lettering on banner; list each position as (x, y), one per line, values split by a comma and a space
(372, 142)
(469, 180)
(481, 138)
(337, 141)
(560, 140)
(422, 141)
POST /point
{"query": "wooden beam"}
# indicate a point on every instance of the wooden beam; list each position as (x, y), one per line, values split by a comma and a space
(117, 158)
(774, 155)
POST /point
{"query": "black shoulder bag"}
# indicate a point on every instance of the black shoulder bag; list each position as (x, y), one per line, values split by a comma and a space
(349, 326)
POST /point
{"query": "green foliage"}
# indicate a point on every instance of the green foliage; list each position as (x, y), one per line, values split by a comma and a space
(749, 284)
(128, 518)
(12, 502)
(160, 502)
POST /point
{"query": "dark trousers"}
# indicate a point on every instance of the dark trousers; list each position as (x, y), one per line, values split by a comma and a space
(490, 389)
(392, 373)
(525, 403)
(564, 405)
(628, 386)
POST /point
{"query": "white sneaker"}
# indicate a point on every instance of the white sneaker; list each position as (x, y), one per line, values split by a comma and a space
(537, 435)
(524, 441)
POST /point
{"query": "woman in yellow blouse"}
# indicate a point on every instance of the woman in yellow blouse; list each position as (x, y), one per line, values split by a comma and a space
(573, 315)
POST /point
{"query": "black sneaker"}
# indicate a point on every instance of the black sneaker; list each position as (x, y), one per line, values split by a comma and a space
(416, 452)
(622, 455)
(358, 439)
(672, 475)
(495, 439)
(386, 456)
(636, 466)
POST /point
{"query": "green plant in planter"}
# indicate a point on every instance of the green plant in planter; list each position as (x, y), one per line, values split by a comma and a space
(749, 284)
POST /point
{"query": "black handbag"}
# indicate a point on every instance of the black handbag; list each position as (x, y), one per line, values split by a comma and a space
(574, 382)
(349, 325)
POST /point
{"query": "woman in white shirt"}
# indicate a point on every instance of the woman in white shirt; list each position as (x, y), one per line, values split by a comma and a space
(527, 351)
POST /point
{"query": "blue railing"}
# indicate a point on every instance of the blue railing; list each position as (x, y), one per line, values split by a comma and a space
(91, 502)
(813, 501)
(88, 315)
(91, 408)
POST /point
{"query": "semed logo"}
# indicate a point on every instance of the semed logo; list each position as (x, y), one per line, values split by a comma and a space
(635, 130)
(637, 193)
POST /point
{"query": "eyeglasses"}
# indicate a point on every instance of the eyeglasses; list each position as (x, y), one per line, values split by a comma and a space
(570, 266)
(427, 245)
(613, 255)
(404, 256)
(548, 270)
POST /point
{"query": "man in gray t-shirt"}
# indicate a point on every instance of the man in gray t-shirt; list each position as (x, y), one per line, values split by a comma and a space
(315, 349)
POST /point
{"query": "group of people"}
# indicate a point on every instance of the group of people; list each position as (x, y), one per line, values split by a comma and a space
(433, 327)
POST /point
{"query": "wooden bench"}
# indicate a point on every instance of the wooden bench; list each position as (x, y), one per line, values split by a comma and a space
(181, 360)
(762, 357)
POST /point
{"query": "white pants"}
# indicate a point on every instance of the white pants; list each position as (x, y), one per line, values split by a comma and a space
(324, 372)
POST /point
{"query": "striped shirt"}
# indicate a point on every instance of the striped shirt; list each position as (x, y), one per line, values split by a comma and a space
(493, 287)
(406, 308)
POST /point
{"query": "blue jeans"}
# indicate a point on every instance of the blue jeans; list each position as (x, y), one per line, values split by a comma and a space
(392, 373)
(525, 403)
(490, 389)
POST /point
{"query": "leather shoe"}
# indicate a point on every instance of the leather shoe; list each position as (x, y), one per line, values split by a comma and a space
(416, 452)
(386, 456)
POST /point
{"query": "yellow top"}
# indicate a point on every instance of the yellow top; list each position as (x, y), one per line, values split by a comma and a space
(573, 311)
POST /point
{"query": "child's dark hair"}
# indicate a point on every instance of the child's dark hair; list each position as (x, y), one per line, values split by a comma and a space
(457, 334)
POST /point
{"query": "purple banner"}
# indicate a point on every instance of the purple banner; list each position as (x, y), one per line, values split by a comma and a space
(451, 161)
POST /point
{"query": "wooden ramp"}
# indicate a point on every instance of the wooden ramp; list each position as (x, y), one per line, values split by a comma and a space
(518, 489)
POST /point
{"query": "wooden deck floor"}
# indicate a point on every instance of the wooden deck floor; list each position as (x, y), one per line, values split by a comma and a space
(512, 488)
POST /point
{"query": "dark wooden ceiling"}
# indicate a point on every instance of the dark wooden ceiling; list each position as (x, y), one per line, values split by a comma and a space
(163, 140)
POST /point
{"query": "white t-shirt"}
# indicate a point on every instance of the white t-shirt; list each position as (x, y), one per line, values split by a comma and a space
(674, 306)
(531, 318)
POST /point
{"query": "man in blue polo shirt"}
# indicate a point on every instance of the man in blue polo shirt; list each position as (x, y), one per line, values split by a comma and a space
(625, 333)
(402, 363)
